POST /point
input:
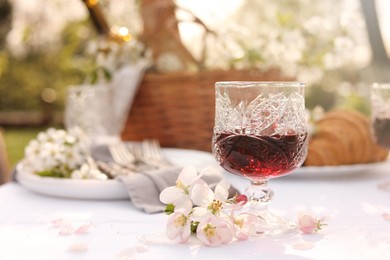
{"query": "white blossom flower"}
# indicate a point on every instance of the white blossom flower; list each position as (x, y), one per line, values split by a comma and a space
(32, 149)
(179, 195)
(244, 225)
(211, 203)
(88, 170)
(214, 231)
(179, 225)
(215, 218)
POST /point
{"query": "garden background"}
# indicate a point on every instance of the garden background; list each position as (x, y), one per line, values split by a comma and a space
(338, 47)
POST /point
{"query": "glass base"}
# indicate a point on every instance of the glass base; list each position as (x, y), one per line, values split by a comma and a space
(274, 226)
(269, 224)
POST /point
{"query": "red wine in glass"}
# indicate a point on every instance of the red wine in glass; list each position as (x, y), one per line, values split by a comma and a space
(259, 157)
(260, 133)
(382, 131)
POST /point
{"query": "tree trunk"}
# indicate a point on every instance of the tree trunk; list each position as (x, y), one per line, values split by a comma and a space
(379, 54)
(378, 70)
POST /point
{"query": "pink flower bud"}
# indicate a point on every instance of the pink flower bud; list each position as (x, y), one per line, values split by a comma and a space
(241, 198)
(308, 224)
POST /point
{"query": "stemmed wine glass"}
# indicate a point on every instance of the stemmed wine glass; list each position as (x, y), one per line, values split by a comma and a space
(380, 113)
(380, 117)
(260, 133)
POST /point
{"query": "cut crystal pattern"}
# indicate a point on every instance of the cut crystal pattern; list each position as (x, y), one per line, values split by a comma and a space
(274, 118)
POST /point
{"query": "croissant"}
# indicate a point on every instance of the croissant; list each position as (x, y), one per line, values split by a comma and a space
(343, 137)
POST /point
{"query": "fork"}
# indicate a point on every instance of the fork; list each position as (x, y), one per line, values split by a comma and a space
(131, 156)
(142, 154)
(149, 152)
(122, 156)
(152, 151)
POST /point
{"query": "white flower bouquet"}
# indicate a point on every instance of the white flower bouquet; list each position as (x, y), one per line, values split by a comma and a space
(213, 217)
(194, 208)
(56, 153)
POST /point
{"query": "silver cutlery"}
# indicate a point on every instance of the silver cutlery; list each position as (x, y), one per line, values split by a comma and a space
(153, 151)
(146, 155)
(122, 155)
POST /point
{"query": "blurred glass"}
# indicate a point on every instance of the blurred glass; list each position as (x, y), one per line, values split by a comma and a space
(90, 108)
(380, 113)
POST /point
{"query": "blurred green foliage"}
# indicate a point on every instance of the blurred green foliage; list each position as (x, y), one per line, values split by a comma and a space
(316, 95)
(22, 79)
(357, 102)
(16, 139)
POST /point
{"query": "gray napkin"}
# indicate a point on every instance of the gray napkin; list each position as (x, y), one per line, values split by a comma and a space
(144, 188)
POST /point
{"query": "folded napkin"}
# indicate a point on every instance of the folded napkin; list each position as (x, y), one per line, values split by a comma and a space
(125, 83)
(144, 188)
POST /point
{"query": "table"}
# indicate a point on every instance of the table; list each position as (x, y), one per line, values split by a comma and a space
(357, 227)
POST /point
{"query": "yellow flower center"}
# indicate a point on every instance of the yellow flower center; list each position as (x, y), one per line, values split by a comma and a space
(215, 207)
(180, 185)
(209, 231)
(239, 223)
(180, 221)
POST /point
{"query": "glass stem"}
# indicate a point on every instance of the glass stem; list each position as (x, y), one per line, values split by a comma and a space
(259, 194)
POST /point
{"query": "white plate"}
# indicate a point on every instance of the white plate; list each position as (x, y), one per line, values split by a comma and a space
(339, 171)
(104, 189)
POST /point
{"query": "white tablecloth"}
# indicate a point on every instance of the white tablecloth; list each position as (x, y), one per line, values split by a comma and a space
(354, 206)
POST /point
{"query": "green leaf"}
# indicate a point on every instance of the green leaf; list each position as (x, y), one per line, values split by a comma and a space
(51, 173)
(169, 209)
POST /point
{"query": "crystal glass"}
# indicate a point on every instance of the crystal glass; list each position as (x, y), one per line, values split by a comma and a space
(380, 118)
(90, 107)
(260, 133)
(380, 113)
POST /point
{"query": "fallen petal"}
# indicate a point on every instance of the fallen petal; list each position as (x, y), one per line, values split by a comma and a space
(65, 231)
(131, 253)
(82, 229)
(65, 227)
(386, 216)
(78, 247)
(302, 245)
(57, 222)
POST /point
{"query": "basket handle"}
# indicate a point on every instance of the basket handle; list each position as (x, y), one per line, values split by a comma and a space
(201, 62)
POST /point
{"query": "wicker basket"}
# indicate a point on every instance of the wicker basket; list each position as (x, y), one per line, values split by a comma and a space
(178, 109)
